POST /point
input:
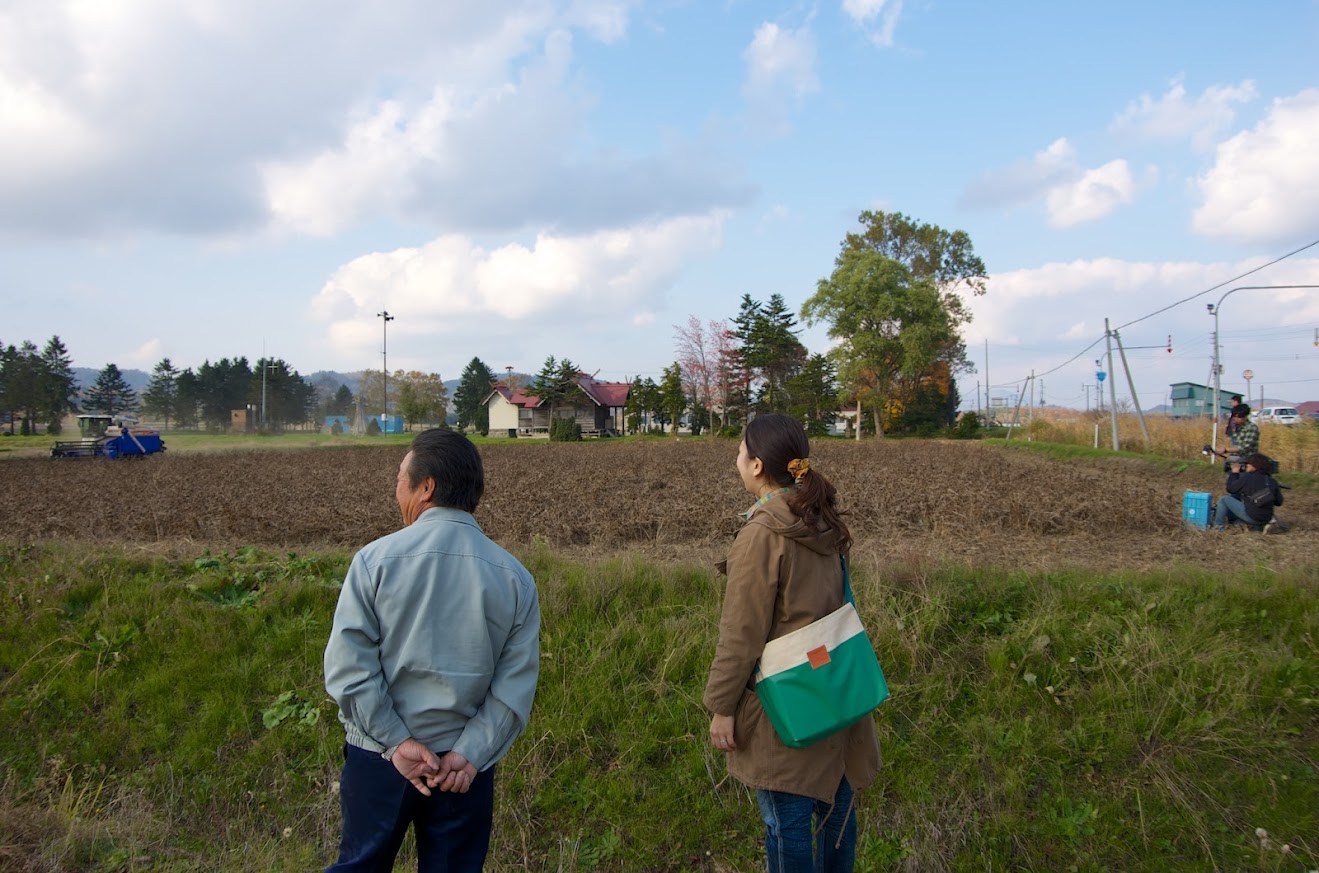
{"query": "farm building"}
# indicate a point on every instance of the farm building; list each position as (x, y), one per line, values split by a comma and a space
(1190, 400)
(598, 409)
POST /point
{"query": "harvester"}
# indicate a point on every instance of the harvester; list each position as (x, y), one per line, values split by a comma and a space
(104, 436)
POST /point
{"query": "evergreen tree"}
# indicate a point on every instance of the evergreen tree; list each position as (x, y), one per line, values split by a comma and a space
(111, 394)
(25, 385)
(635, 408)
(556, 382)
(56, 384)
(814, 393)
(223, 387)
(187, 402)
(770, 352)
(8, 374)
(673, 400)
(289, 398)
(474, 387)
(343, 402)
(162, 392)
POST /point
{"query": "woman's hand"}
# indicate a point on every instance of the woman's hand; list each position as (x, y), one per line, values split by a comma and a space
(721, 733)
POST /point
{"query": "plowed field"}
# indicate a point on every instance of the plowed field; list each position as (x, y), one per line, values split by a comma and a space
(911, 501)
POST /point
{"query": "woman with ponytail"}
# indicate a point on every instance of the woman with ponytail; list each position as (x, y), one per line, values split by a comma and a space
(784, 572)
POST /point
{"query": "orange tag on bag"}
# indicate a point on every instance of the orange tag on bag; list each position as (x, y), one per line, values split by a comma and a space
(818, 657)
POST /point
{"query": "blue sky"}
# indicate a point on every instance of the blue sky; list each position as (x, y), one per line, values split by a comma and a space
(197, 179)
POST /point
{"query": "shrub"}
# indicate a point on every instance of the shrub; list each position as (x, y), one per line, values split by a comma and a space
(565, 430)
(968, 426)
(373, 428)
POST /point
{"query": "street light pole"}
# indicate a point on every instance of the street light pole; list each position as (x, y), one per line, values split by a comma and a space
(384, 363)
(1214, 310)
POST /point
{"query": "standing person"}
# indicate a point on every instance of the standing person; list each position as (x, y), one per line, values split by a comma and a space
(1231, 424)
(1251, 495)
(433, 660)
(1245, 431)
(784, 572)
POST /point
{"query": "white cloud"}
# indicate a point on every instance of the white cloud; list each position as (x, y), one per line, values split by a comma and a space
(453, 287)
(1264, 184)
(1174, 116)
(1024, 180)
(1070, 300)
(780, 72)
(221, 118)
(864, 12)
(1097, 193)
(145, 356)
(1072, 195)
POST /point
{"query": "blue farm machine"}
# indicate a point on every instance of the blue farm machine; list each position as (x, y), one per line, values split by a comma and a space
(104, 436)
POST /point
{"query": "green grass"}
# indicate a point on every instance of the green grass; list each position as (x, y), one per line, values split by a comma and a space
(167, 715)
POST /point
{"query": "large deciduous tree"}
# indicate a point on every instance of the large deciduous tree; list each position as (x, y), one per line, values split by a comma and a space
(891, 327)
(696, 347)
(903, 281)
(469, 397)
(947, 258)
(421, 397)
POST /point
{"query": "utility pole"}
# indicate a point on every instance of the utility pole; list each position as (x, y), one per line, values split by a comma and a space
(384, 362)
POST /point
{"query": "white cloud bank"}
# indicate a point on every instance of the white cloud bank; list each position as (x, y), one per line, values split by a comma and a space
(453, 287)
(1175, 116)
(227, 119)
(1264, 184)
(1072, 195)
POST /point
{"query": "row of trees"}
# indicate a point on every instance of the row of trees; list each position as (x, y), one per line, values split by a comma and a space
(894, 308)
(39, 388)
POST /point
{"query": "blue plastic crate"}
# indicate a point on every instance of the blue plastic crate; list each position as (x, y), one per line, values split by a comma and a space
(1195, 508)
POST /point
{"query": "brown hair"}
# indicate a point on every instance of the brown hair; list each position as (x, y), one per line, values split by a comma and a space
(775, 440)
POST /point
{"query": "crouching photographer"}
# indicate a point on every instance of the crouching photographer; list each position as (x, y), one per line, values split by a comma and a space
(1251, 495)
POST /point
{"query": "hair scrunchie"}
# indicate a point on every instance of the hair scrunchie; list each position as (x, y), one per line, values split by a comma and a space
(799, 467)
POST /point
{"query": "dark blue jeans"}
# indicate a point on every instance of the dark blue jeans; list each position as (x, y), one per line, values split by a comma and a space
(791, 820)
(1231, 510)
(452, 830)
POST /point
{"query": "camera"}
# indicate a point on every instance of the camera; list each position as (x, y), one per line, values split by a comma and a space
(1237, 459)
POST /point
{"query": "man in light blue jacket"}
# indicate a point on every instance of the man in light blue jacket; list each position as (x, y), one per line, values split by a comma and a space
(433, 660)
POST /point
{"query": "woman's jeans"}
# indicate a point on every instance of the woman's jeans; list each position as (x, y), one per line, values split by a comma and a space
(791, 820)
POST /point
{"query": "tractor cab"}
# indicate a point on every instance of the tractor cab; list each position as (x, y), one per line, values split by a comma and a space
(93, 426)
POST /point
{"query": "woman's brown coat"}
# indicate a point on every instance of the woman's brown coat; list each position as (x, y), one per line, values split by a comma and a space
(782, 576)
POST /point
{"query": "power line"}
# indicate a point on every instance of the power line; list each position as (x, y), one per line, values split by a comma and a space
(1171, 306)
(1220, 285)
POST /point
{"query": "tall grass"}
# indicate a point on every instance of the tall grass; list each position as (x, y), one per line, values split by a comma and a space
(1295, 446)
(168, 715)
